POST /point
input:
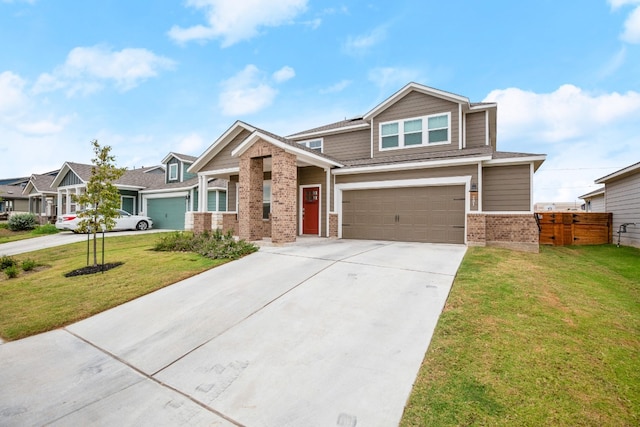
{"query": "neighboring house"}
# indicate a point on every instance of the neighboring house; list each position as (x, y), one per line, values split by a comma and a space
(171, 202)
(73, 177)
(556, 207)
(622, 199)
(42, 198)
(12, 199)
(421, 166)
(594, 201)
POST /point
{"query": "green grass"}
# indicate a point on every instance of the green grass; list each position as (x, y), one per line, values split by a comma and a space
(43, 299)
(7, 235)
(536, 339)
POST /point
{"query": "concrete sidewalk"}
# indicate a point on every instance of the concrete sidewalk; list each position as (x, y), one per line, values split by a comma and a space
(321, 332)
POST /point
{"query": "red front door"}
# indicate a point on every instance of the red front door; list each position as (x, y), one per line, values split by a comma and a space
(310, 210)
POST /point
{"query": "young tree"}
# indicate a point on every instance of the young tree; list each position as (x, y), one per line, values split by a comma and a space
(101, 198)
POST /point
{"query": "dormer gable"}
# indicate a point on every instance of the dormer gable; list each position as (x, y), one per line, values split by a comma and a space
(176, 167)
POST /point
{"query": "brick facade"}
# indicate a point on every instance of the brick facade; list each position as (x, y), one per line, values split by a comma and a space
(201, 222)
(284, 177)
(512, 231)
(230, 222)
(333, 225)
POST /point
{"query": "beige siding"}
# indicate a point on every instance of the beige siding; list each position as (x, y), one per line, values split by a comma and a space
(348, 146)
(470, 170)
(313, 175)
(231, 192)
(476, 130)
(623, 201)
(506, 188)
(416, 104)
(596, 204)
(223, 159)
(493, 112)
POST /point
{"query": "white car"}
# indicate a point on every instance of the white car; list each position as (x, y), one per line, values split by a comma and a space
(125, 221)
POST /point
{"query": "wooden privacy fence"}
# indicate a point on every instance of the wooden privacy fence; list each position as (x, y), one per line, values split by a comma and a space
(573, 228)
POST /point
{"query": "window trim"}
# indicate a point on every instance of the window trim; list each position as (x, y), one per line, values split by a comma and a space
(171, 167)
(425, 132)
(306, 143)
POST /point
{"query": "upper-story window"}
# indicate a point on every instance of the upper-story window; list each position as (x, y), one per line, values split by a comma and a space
(173, 171)
(414, 132)
(314, 144)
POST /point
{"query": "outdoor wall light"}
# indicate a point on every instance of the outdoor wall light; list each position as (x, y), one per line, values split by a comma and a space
(473, 194)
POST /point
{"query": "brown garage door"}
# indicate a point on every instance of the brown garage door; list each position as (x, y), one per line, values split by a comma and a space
(411, 214)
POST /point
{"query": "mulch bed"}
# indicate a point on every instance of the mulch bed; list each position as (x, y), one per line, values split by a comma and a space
(93, 269)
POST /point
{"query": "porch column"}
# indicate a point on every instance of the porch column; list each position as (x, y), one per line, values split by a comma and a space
(284, 180)
(250, 195)
(202, 193)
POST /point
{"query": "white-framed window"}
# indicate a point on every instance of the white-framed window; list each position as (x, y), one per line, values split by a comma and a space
(173, 171)
(314, 144)
(415, 132)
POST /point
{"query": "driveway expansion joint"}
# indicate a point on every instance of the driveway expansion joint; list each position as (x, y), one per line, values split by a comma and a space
(148, 377)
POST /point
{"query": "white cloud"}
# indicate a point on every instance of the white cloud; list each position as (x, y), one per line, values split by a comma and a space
(614, 64)
(234, 21)
(314, 24)
(363, 43)
(191, 144)
(631, 32)
(569, 112)
(283, 74)
(47, 126)
(393, 77)
(338, 87)
(12, 97)
(615, 4)
(584, 135)
(245, 93)
(87, 69)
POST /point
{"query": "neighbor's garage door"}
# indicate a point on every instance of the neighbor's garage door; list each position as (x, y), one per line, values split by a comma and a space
(167, 213)
(411, 214)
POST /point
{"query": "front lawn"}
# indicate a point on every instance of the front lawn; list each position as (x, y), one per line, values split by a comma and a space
(7, 235)
(43, 299)
(536, 339)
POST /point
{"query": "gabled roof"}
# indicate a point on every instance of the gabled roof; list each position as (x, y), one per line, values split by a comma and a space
(300, 151)
(11, 192)
(219, 144)
(132, 178)
(40, 183)
(337, 127)
(597, 192)
(182, 157)
(415, 87)
(622, 173)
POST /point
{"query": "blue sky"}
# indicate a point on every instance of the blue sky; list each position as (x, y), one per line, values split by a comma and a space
(149, 77)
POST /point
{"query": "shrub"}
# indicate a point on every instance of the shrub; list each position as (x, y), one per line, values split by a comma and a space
(11, 272)
(4, 226)
(21, 222)
(6, 262)
(45, 229)
(214, 245)
(29, 264)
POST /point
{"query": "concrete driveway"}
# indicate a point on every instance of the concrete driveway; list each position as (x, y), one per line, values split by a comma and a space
(317, 333)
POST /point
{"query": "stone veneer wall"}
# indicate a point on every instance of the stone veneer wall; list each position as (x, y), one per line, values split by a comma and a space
(284, 200)
(250, 195)
(511, 231)
(333, 225)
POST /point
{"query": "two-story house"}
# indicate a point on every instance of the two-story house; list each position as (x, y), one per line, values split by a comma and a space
(421, 166)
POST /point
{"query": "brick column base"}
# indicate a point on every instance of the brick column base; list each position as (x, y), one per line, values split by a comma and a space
(230, 222)
(201, 222)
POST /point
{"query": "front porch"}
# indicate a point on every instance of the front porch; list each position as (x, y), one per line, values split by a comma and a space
(279, 192)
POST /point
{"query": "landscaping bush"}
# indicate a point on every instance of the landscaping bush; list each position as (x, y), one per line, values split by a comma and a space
(6, 262)
(4, 226)
(12, 272)
(45, 229)
(29, 264)
(214, 245)
(22, 222)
